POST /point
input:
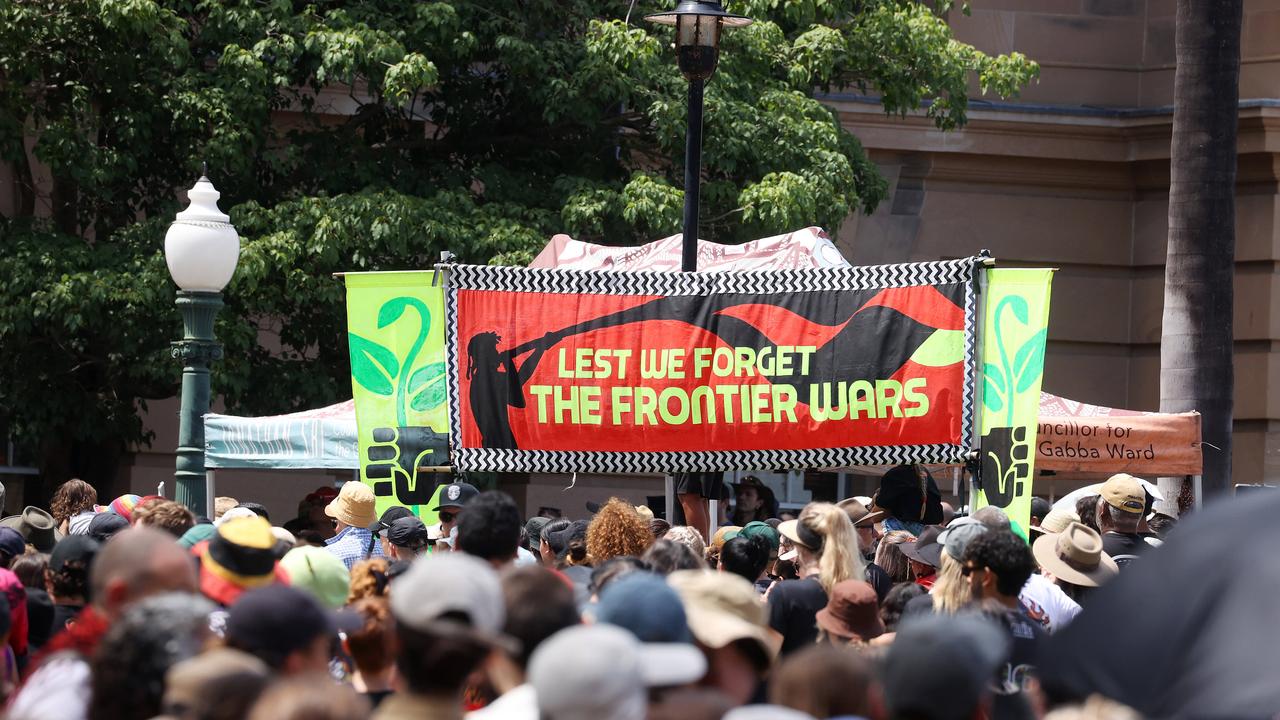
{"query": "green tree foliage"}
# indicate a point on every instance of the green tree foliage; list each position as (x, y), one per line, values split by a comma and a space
(373, 134)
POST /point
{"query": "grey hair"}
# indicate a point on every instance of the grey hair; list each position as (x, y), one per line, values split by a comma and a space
(130, 664)
(993, 517)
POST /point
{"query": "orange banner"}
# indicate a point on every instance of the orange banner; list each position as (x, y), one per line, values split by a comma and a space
(1076, 437)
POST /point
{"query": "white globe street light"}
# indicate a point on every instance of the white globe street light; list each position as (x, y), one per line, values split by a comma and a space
(201, 249)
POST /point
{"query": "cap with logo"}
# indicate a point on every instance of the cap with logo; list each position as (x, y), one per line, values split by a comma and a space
(456, 495)
(1124, 492)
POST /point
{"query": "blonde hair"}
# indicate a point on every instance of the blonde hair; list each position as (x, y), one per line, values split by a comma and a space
(838, 558)
(890, 558)
(951, 590)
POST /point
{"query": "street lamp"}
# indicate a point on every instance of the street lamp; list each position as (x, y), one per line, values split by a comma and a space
(698, 24)
(201, 249)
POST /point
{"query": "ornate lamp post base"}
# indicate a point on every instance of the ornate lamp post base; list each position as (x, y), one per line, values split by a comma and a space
(196, 350)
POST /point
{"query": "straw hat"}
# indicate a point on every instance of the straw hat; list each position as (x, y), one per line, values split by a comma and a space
(355, 505)
(1075, 555)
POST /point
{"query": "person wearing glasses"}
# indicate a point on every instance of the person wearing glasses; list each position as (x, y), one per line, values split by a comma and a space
(997, 564)
(453, 498)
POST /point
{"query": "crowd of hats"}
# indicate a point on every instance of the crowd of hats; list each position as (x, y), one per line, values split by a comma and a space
(485, 613)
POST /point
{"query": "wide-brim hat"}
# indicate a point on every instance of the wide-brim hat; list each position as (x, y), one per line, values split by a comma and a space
(722, 609)
(36, 527)
(926, 548)
(1075, 555)
(239, 557)
(355, 505)
(852, 612)
(859, 514)
(752, 481)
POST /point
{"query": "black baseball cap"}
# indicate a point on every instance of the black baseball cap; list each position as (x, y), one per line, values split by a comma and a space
(276, 620)
(390, 515)
(104, 525)
(73, 548)
(534, 527)
(456, 495)
(407, 532)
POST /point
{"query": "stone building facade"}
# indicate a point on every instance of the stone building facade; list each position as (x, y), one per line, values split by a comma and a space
(1074, 174)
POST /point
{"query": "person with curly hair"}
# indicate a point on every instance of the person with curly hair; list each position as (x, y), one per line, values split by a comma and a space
(72, 506)
(368, 579)
(617, 530)
(372, 650)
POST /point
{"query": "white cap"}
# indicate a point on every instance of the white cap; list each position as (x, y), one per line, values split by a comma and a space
(590, 672)
(445, 583)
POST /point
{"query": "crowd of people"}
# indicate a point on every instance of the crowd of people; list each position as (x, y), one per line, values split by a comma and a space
(893, 606)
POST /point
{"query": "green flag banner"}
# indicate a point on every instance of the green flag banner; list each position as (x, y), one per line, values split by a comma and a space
(1015, 328)
(395, 327)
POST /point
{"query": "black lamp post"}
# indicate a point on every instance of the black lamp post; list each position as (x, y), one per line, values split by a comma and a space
(698, 25)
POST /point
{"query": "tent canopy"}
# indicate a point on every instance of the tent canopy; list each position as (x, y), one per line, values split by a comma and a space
(324, 438)
(805, 249)
(1078, 437)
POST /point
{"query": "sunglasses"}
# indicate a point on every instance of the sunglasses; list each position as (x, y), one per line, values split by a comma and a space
(968, 570)
(447, 516)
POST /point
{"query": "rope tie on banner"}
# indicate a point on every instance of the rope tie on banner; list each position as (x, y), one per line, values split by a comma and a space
(572, 481)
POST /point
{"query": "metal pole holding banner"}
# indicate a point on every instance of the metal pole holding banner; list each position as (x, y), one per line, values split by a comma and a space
(975, 429)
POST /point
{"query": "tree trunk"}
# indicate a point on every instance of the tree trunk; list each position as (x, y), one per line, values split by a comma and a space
(1196, 340)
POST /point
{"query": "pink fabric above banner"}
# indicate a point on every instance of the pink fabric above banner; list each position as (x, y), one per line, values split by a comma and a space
(800, 250)
(1079, 437)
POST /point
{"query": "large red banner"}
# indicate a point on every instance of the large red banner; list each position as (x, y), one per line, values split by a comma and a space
(551, 373)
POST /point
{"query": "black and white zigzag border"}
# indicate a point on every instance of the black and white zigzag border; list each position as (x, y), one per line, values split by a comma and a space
(654, 463)
(513, 279)
(573, 282)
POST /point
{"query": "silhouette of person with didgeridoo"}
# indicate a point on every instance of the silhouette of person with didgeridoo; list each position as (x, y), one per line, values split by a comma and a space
(496, 384)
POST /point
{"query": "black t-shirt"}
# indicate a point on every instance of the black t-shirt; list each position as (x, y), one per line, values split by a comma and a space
(1123, 545)
(879, 580)
(1011, 681)
(793, 611)
(39, 618)
(62, 615)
